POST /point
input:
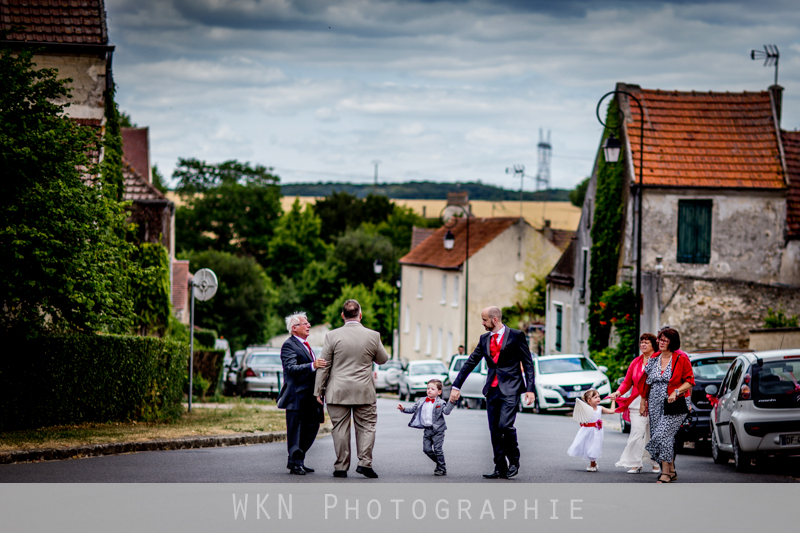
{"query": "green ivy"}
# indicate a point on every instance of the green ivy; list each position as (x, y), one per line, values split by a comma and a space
(150, 289)
(616, 308)
(606, 234)
(111, 167)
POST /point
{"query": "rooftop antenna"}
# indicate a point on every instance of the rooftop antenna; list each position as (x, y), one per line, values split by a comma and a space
(770, 55)
(518, 171)
(376, 163)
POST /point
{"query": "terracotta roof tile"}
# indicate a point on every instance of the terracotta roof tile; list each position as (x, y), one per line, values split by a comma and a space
(482, 231)
(696, 139)
(136, 149)
(791, 148)
(418, 235)
(563, 273)
(559, 237)
(55, 21)
(180, 284)
(136, 186)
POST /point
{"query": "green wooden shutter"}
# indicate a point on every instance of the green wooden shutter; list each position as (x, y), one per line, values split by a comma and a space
(559, 313)
(694, 231)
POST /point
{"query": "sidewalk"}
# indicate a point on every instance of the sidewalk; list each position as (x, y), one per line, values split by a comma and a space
(183, 443)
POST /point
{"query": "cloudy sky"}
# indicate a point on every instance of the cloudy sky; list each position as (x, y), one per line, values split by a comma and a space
(434, 90)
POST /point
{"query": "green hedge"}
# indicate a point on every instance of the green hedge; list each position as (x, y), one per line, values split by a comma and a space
(71, 379)
(208, 363)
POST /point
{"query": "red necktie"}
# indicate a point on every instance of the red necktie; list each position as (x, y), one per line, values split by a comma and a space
(310, 351)
(429, 400)
(494, 351)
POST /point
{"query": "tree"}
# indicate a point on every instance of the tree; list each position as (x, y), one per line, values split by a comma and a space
(398, 227)
(235, 211)
(158, 180)
(342, 211)
(365, 298)
(577, 194)
(151, 295)
(242, 310)
(296, 243)
(65, 261)
(358, 249)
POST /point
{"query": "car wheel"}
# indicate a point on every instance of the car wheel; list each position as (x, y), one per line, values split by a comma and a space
(740, 459)
(719, 457)
(537, 408)
(624, 424)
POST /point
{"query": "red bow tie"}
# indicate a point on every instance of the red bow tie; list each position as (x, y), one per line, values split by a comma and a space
(429, 400)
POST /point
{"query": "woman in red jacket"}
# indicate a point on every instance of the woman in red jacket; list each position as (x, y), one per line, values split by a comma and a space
(669, 379)
(634, 455)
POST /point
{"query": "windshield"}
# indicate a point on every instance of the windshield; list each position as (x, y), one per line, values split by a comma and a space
(261, 359)
(712, 368)
(572, 364)
(428, 368)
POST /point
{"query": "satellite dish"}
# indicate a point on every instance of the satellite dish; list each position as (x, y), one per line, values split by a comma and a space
(205, 284)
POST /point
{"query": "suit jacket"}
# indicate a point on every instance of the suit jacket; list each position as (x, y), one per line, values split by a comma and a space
(298, 377)
(509, 376)
(440, 408)
(350, 352)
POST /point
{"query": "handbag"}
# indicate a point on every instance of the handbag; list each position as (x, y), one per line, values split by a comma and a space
(678, 407)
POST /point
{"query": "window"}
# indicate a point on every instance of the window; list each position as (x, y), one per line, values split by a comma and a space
(439, 344)
(455, 291)
(429, 342)
(694, 231)
(417, 337)
(419, 285)
(449, 343)
(406, 319)
(584, 269)
(559, 313)
(443, 300)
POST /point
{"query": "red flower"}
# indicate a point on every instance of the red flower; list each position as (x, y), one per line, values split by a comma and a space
(603, 323)
(613, 320)
(599, 424)
(627, 317)
(602, 305)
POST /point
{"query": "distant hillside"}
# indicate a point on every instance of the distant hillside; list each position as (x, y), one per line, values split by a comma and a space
(424, 190)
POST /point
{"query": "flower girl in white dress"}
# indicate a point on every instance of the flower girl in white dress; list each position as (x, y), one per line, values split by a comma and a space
(588, 442)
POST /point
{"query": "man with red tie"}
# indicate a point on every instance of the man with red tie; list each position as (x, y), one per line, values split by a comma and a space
(303, 412)
(504, 349)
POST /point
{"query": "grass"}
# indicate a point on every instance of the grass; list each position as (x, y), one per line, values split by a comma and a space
(244, 416)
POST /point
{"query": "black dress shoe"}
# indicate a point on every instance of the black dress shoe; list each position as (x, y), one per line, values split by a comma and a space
(513, 470)
(307, 469)
(340, 473)
(297, 471)
(366, 471)
(495, 475)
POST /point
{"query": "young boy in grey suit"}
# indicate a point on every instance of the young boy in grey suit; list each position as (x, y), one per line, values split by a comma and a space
(428, 414)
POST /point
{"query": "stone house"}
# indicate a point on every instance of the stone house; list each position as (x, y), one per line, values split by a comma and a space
(432, 295)
(721, 219)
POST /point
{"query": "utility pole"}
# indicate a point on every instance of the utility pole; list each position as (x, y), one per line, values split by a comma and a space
(376, 163)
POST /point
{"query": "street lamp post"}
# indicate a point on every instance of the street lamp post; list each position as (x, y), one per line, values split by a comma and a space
(611, 149)
(449, 242)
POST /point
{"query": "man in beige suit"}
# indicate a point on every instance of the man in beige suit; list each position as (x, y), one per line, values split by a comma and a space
(346, 384)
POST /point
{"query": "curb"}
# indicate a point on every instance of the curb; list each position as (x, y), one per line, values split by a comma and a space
(186, 443)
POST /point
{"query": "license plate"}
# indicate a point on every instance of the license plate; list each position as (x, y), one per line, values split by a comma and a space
(268, 374)
(790, 440)
(688, 444)
(574, 394)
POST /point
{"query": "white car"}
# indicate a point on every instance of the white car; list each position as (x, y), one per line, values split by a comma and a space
(414, 379)
(758, 408)
(472, 388)
(561, 379)
(387, 375)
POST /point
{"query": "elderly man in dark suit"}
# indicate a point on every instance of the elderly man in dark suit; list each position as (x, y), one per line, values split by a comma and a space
(506, 352)
(303, 412)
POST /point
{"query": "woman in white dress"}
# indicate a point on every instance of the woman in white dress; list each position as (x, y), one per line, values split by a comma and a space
(588, 442)
(634, 456)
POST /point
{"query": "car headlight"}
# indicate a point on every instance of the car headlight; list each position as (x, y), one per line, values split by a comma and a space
(550, 387)
(601, 383)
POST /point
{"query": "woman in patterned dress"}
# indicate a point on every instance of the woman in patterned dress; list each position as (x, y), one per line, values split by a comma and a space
(669, 379)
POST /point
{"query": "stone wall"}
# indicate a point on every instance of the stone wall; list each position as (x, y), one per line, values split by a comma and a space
(88, 84)
(702, 307)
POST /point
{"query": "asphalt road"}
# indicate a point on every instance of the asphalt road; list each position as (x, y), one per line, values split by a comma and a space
(397, 458)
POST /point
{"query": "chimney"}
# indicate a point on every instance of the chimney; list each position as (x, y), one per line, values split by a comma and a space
(547, 231)
(776, 95)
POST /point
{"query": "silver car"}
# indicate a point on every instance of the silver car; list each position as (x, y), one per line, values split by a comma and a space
(386, 376)
(261, 372)
(414, 379)
(229, 370)
(472, 388)
(757, 410)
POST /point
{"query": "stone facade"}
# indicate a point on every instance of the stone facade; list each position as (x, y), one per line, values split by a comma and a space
(88, 84)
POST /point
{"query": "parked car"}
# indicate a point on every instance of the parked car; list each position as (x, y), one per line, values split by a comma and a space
(472, 388)
(229, 370)
(709, 368)
(414, 379)
(387, 376)
(758, 408)
(560, 379)
(261, 372)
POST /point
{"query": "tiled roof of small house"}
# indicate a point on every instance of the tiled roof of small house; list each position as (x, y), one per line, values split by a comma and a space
(560, 238)
(418, 235)
(791, 148)
(695, 139)
(482, 231)
(135, 147)
(136, 186)
(55, 21)
(563, 273)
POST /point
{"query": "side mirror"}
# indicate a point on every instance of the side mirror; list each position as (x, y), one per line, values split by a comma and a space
(619, 381)
(602, 369)
(711, 390)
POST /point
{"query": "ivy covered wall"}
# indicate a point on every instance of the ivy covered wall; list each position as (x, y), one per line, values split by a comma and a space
(606, 233)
